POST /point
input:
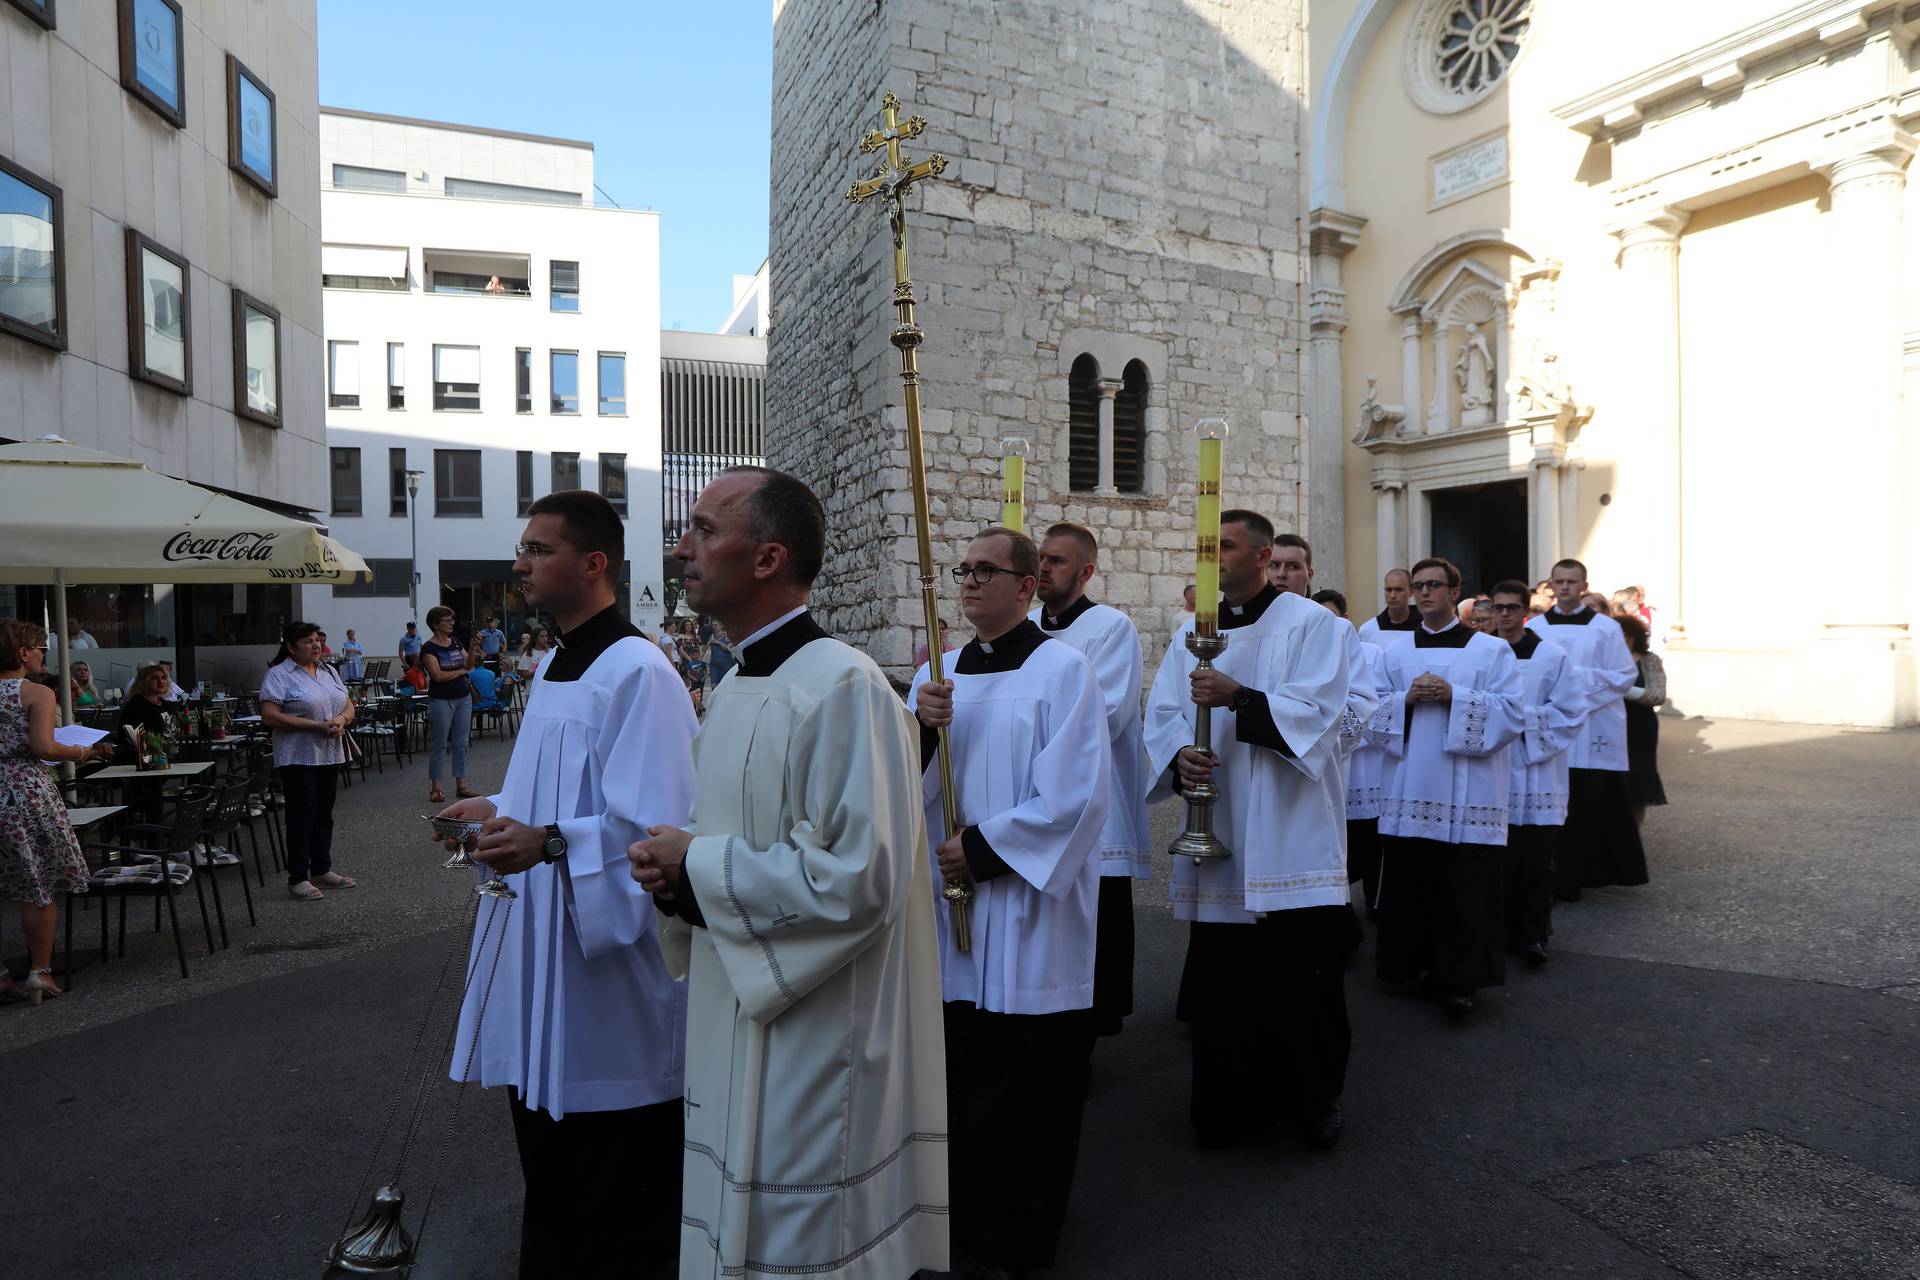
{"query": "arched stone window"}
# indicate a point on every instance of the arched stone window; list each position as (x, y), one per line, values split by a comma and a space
(1083, 425)
(1130, 429)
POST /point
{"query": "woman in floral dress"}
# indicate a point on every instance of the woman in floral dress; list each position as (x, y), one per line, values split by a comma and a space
(39, 854)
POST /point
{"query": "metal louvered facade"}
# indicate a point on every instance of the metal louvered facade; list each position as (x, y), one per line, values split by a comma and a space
(712, 416)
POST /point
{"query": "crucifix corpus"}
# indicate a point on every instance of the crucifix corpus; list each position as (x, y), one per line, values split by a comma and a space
(890, 183)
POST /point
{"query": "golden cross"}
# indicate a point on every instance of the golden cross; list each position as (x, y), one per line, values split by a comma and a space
(895, 175)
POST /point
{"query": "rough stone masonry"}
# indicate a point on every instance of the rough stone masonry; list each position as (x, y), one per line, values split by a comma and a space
(1125, 183)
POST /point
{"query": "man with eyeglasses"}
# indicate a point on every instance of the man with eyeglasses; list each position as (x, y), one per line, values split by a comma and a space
(802, 914)
(1399, 620)
(1552, 710)
(1600, 844)
(581, 1017)
(1450, 704)
(1263, 983)
(1028, 728)
(1069, 557)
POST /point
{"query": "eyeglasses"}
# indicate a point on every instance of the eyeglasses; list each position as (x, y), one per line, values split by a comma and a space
(1432, 584)
(536, 550)
(983, 573)
(1508, 608)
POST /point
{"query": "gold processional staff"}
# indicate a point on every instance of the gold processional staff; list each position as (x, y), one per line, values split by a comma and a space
(891, 182)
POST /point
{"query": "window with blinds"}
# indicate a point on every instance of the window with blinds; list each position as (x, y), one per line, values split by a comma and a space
(712, 415)
(343, 375)
(1083, 425)
(456, 379)
(1130, 430)
(563, 281)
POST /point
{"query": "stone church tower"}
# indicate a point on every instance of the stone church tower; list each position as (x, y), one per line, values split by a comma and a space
(1112, 253)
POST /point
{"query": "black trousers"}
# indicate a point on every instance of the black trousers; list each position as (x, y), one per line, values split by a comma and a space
(1016, 1089)
(1600, 845)
(1269, 1013)
(603, 1191)
(1440, 915)
(1529, 883)
(309, 789)
(1363, 858)
(1113, 956)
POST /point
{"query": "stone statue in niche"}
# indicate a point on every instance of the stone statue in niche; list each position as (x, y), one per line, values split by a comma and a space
(1474, 372)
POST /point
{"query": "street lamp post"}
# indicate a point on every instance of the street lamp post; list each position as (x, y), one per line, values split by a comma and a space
(413, 535)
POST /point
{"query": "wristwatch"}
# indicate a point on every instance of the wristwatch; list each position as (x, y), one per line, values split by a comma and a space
(1242, 699)
(556, 846)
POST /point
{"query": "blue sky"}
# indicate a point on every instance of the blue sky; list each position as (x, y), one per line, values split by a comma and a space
(675, 97)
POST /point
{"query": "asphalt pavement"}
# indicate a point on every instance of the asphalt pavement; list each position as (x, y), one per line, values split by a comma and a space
(1713, 1078)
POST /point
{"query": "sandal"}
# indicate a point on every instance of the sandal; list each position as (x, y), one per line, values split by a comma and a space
(436, 796)
(334, 880)
(305, 891)
(466, 793)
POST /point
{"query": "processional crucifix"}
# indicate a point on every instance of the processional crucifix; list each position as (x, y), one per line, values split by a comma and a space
(891, 182)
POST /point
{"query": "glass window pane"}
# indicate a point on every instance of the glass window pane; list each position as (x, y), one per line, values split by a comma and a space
(564, 286)
(613, 384)
(263, 388)
(27, 256)
(566, 471)
(359, 178)
(346, 482)
(156, 50)
(163, 301)
(565, 374)
(523, 381)
(256, 129)
(613, 480)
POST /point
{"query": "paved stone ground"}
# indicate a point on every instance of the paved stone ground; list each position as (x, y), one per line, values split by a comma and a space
(1713, 1078)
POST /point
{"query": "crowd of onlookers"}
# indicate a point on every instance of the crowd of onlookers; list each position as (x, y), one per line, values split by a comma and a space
(700, 651)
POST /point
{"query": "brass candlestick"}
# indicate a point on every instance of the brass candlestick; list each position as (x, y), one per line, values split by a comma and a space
(1197, 840)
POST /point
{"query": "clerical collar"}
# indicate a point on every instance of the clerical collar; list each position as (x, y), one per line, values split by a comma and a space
(1386, 623)
(1523, 647)
(1578, 618)
(1066, 617)
(739, 646)
(1245, 615)
(1008, 653)
(1455, 635)
(772, 646)
(577, 649)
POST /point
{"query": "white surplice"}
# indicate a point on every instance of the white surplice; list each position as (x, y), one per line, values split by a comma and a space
(1604, 668)
(1364, 765)
(1111, 644)
(1445, 776)
(1371, 632)
(1552, 711)
(1282, 814)
(1030, 765)
(582, 1014)
(816, 1083)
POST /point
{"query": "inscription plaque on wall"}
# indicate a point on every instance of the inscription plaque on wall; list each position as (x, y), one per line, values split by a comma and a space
(1468, 169)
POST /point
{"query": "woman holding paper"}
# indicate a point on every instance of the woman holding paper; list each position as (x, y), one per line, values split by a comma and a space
(39, 854)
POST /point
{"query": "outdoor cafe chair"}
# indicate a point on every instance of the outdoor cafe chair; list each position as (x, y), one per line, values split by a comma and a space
(158, 871)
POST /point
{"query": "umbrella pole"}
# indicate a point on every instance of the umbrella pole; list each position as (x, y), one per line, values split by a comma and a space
(66, 679)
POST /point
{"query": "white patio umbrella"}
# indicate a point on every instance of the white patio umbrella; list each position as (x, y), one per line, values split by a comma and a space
(72, 515)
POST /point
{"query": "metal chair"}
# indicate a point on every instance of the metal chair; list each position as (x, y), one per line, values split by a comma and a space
(128, 873)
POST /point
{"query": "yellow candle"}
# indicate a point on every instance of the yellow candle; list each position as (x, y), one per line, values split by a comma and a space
(1013, 483)
(1206, 571)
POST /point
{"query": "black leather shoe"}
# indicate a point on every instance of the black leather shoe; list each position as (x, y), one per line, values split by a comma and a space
(1458, 1007)
(1324, 1130)
(1536, 953)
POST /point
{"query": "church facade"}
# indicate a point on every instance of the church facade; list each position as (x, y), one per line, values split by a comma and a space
(1111, 254)
(1629, 283)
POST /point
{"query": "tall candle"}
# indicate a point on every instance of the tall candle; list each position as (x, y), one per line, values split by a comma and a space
(1212, 433)
(1013, 484)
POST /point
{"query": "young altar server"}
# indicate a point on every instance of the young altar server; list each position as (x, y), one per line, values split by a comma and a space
(1600, 844)
(1263, 980)
(1450, 703)
(1028, 730)
(1553, 708)
(1068, 560)
(580, 1015)
(802, 906)
(1398, 621)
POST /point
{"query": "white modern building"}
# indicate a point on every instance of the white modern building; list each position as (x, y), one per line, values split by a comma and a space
(160, 280)
(492, 335)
